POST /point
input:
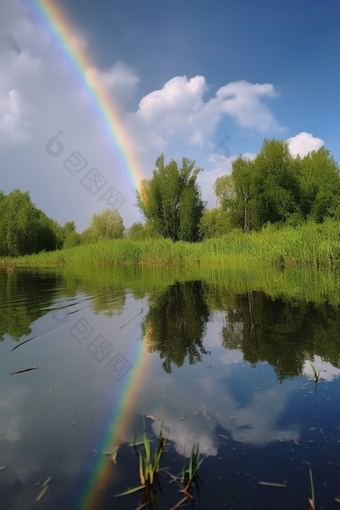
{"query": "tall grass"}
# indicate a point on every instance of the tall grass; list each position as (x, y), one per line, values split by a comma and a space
(309, 245)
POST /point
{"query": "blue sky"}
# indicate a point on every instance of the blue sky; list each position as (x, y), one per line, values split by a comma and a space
(183, 75)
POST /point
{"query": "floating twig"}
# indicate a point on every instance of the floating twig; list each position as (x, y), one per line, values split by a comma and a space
(26, 370)
(47, 481)
(269, 484)
(42, 493)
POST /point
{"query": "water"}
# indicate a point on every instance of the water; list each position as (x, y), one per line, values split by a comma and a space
(221, 355)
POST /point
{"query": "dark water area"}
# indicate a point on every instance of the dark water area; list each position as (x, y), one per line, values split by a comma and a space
(225, 358)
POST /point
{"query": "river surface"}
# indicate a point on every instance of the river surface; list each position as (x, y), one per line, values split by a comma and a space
(221, 357)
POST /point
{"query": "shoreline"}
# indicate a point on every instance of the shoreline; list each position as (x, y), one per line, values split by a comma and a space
(308, 246)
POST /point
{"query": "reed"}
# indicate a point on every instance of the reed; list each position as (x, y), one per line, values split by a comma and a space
(309, 245)
(191, 474)
(148, 467)
(316, 374)
(312, 499)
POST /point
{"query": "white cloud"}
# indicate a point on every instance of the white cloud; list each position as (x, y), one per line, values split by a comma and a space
(205, 403)
(303, 143)
(13, 126)
(120, 82)
(40, 94)
(178, 110)
(241, 100)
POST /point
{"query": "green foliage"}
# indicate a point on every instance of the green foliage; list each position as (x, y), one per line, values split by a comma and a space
(135, 231)
(106, 225)
(59, 233)
(307, 245)
(72, 239)
(224, 188)
(214, 223)
(320, 185)
(194, 463)
(275, 316)
(277, 188)
(140, 232)
(149, 466)
(242, 176)
(175, 323)
(171, 200)
(22, 301)
(24, 229)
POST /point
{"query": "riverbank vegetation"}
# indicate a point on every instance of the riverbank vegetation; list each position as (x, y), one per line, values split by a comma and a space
(276, 209)
(306, 245)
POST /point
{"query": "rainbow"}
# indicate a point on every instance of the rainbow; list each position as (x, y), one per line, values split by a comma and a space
(55, 21)
(120, 415)
(115, 431)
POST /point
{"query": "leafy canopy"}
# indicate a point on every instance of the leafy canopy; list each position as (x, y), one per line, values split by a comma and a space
(171, 200)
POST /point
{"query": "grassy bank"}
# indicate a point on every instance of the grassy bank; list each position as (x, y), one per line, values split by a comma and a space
(309, 245)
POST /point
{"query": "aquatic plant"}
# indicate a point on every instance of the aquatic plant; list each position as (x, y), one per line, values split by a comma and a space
(312, 499)
(316, 375)
(191, 475)
(148, 467)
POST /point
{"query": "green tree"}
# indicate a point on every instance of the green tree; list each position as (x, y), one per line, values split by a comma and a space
(69, 227)
(224, 188)
(140, 232)
(106, 225)
(242, 178)
(214, 223)
(319, 178)
(59, 233)
(267, 189)
(72, 239)
(171, 200)
(275, 186)
(24, 229)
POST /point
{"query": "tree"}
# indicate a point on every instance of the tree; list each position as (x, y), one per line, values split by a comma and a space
(24, 229)
(242, 177)
(319, 178)
(140, 232)
(214, 223)
(72, 239)
(69, 227)
(224, 188)
(275, 185)
(171, 200)
(267, 189)
(135, 231)
(106, 225)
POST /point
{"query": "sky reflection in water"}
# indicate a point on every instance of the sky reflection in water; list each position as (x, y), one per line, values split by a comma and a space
(227, 367)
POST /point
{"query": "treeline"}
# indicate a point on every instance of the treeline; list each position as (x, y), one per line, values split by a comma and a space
(25, 229)
(273, 189)
(277, 188)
